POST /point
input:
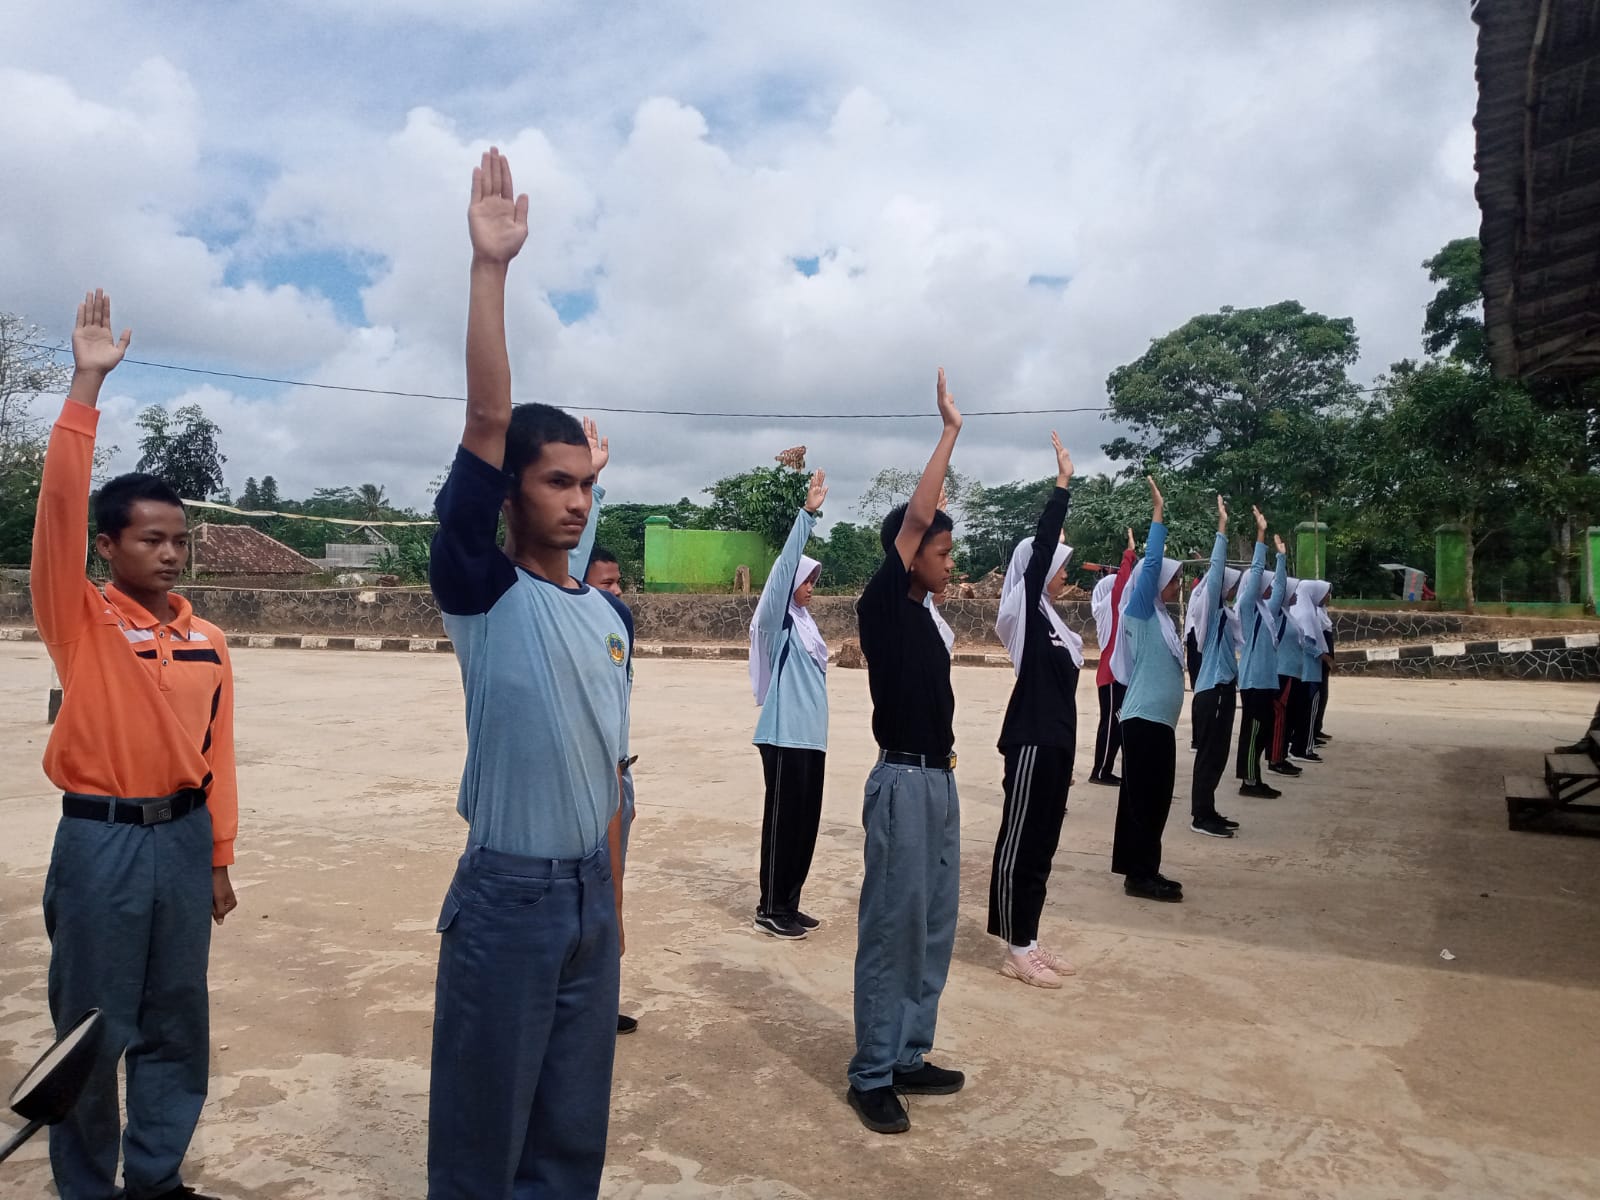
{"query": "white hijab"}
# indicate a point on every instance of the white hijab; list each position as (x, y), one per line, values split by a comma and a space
(1263, 613)
(1122, 654)
(946, 634)
(1287, 610)
(1310, 618)
(1100, 609)
(1197, 617)
(1012, 624)
(805, 628)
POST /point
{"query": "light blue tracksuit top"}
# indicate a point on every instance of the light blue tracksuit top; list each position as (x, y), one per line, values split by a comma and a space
(1258, 661)
(1291, 647)
(1155, 683)
(796, 710)
(1219, 663)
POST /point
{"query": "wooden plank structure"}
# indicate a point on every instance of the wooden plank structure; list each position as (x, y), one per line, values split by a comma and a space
(1538, 160)
(1564, 800)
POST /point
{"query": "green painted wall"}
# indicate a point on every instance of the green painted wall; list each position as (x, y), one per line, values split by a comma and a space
(1311, 550)
(1450, 566)
(1591, 568)
(701, 560)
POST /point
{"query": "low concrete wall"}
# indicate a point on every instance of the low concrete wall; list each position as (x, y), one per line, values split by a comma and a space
(669, 618)
(1569, 658)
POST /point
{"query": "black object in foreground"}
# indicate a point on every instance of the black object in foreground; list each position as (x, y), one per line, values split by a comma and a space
(50, 1088)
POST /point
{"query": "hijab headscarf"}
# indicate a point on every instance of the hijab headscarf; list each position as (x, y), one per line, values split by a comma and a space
(1100, 608)
(1122, 654)
(1012, 622)
(1287, 614)
(1198, 616)
(1310, 618)
(805, 629)
(946, 634)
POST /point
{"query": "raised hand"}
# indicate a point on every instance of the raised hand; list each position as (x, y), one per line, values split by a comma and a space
(1222, 514)
(497, 218)
(1130, 539)
(94, 350)
(1157, 504)
(944, 499)
(817, 492)
(947, 405)
(1277, 542)
(599, 447)
(1063, 461)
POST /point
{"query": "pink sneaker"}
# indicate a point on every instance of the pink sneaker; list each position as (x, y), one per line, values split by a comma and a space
(1057, 964)
(1029, 968)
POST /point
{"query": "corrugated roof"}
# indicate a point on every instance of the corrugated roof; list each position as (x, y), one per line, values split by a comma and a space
(1538, 160)
(241, 550)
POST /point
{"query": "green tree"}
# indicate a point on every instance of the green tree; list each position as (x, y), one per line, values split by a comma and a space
(621, 530)
(763, 500)
(181, 447)
(26, 371)
(894, 485)
(1235, 398)
(373, 502)
(250, 498)
(269, 494)
(849, 555)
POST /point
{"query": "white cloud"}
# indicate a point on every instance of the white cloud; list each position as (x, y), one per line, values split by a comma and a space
(1164, 159)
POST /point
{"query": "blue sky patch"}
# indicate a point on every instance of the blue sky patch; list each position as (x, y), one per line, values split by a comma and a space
(572, 307)
(1053, 283)
(337, 276)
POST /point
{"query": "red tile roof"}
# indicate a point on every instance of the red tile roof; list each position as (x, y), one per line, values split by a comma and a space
(241, 550)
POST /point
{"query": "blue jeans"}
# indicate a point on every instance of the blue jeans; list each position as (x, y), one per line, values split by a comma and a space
(907, 923)
(524, 1028)
(128, 911)
(627, 810)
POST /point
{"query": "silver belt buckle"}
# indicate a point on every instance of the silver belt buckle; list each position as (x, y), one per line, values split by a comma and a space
(155, 812)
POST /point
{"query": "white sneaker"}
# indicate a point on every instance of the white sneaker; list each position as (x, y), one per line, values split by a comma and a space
(1055, 962)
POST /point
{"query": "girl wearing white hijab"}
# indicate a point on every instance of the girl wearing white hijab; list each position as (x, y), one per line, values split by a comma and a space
(1217, 633)
(1038, 738)
(1286, 704)
(1310, 615)
(1104, 603)
(789, 676)
(1149, 656)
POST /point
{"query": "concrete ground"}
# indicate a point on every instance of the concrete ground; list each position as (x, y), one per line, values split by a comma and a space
(1290, 1030)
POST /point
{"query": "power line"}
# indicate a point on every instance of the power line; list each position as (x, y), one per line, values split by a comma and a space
(653, 412)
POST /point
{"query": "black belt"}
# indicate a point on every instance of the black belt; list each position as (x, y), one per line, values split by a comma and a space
(113, 809)
(933, 762)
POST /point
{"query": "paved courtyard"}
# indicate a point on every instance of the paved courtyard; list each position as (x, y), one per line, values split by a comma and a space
(1290, 1030)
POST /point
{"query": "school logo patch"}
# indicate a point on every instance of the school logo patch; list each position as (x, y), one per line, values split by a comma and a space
(617, 648)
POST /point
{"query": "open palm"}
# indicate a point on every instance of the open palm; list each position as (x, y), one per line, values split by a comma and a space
(94, 348)
(497, 218)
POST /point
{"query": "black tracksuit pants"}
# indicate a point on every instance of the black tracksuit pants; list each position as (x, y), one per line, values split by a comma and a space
(1145, 800)
(1211, 713)
(1036, 782)
(1108, 734)
(789, 824)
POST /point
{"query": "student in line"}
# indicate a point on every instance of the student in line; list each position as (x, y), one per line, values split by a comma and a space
(1318, 737)
(143, 754)
(531, 927)
(1105, 605)
(1215, 627)
(789, 676)
(1310, 615)
(1149, 656)
(598, 567)
(1038, 738)
(1258, 608)
(1288, 705)
(911, 886)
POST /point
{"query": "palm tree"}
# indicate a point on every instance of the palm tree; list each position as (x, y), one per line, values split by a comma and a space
(373, 502)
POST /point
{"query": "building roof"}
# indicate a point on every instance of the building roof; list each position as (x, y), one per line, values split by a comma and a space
(241, 550)
(1538, 160)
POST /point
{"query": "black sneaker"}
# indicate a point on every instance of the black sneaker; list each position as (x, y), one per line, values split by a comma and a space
(1106, 780)
(929, 1080)
(1228, 821)
(1284, 768)
(806, 921)
(183, 1192)
(1212, 826)
(1263, 790)
(880, 1109)
(627, 1024)
(1309, 756)
(780, 927)
(1147, 888)
(1323, 739)
(1171, 883)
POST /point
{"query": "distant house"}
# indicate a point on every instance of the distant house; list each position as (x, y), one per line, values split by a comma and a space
(239, 550)
(355, 556)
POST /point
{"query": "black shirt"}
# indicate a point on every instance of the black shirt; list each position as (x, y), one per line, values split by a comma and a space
(1044, 700)
(908, 667)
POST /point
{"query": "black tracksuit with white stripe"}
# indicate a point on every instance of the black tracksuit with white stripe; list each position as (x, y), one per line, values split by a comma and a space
(1037, 740)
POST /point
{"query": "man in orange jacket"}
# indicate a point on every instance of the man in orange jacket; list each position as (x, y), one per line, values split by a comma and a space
(143, 754)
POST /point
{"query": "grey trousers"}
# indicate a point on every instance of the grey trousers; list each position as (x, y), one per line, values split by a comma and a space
(128, 911)
(907, 923)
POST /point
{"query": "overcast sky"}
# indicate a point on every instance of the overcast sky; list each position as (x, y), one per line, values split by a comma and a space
(778, 208)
